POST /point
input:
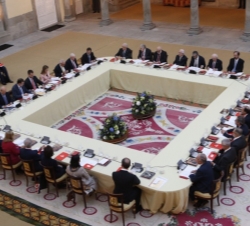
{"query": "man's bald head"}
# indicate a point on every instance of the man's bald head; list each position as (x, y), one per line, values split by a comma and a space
(3, 90)
(126, 163)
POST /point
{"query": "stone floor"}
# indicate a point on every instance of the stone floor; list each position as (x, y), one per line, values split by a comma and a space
(212, 37)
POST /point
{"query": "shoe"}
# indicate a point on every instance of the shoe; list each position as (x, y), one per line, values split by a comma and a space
(139, 209)
(10, 81)
(3, 83)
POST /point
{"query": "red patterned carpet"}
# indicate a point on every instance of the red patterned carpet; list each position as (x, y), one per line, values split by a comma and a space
(150, 135)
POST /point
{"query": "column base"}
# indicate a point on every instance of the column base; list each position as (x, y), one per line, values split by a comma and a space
(69, 18)
(106, 22)
(194, 31)
(147, 26)
(245, 37)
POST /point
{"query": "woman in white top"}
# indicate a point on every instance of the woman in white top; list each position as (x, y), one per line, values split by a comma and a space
(45, 75)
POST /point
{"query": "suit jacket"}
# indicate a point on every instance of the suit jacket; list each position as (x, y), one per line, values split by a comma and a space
(203, 178)
(163, 58)
(128, 53)
(85, 58)
(28, 85)
(9, 98)
(59, 171)
(245, 131)
(247, 120)
(28, 154)
(239, 143)
(148, 54)
(223, 161)
(201, 62)
(124, 184)
(69, 66)
(58, 71)
(17, 93)
(218, 64)
(239, 66)
(180, 62)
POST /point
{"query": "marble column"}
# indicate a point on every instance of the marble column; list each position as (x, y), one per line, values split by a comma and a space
(194, 18)
(105, 13)
(246, 34)
(147, 24)
(69, 11)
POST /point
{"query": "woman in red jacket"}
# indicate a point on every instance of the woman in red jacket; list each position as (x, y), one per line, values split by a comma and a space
(9, 147)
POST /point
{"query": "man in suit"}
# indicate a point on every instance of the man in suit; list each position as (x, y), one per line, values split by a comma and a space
(160, 56)
(19, 90)
(4, 75)
(88, 57)
(181, 58)
(60, 70)
(125, 183)
(239, 141)
(27, 153)
(71, 63)
(202, 178)
(144, 53)
(223, 160)
(236, 64)
(124, 52)
(246, 114)
(5, 98)
(32, 82)
(215, 63)
(96, 6)
(197, 60)
(242, 4)
(240, 123)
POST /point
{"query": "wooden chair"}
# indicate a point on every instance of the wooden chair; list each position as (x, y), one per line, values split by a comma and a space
(240, 162)
(227, 177)
(215, 192)
(117, 205)
(6, 164)
(29, 171)
(51, 178)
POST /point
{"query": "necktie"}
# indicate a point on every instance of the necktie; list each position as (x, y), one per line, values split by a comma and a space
(235, 65)
(158, 59)
(213, 65)
(5, 99)
(21, 90)
(33, 83)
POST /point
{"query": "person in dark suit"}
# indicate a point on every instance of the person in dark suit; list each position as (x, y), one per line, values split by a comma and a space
(4, 75)
(202, 178)
(18, 90)
(242, 4)
(96, 6)
(32, 82)
(5, 98)
(239, 141)
(215, 63)
(145, 53)
(181, 58)
(88, 57)
(60, 70)
(246, 114)
(160, 56)
(124, 52)
(27, 153)
(125, 183)
(240, 123)
(71, 63)
(222, 161)
(236, 64)
(197, 60)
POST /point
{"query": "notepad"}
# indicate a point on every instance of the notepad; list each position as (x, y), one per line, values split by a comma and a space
(70, 75)
(187, 171)
(19, 142)
(29, 96)
(158, 182)
(89, 161)
(207, 152)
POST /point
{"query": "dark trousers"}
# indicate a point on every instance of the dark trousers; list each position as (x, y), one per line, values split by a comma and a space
(96, 5)
(242, 4)
(4, 75)
(135, 195)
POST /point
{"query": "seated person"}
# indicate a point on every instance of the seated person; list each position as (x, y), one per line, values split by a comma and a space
(215, 63)
(5, 98)
(88, 57)
(19, 90)
(4, 75)
(245, 112)
(239, 141)
(202, 178)
(45, 75)
(9, 147)
(197, 60)
(26, 153)
(240, 123)
(32, 82)
(160, 56)
(71, 63)
(144, 53)
(225, 157)
(124, 52)
(47, 160)
(236, 64)
(75, 170)
(181, 58)
(60, 70)
(125, 183)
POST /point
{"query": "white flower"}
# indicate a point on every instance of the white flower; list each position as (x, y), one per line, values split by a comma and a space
(101, 127)
(117, 132)
(138, 103)
(104, 138)
(136, 110)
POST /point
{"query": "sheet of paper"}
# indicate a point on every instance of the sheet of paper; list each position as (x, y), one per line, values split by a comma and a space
(207, 152)
(174, 66)
(103, 161)
(70, 75)
(88, 161)
(55, 79)
(194, 69)
(53, 82)
(158, 182)
(40, 90)
(100, 59)
(231, 121)
(19, 142)
(187, 171)
(84, 67)
(2, 135)
(239, 73)
(29, 96)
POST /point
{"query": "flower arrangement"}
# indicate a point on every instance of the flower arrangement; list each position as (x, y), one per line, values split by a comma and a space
(143, 104)
(113, 128)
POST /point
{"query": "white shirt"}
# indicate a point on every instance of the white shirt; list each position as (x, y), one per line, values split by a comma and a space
(62, 68)
(196, 62)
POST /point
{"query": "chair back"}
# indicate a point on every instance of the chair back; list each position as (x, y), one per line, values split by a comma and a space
(216, 185)
(229, 170)
(29, 168)
(49, 173)
(241, 156)
(116, 202)
(6, 161)
(76, 184)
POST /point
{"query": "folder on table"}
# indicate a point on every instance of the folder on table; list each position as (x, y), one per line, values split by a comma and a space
(62, 156)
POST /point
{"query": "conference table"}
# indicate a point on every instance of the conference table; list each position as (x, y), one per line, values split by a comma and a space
(166, 191)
